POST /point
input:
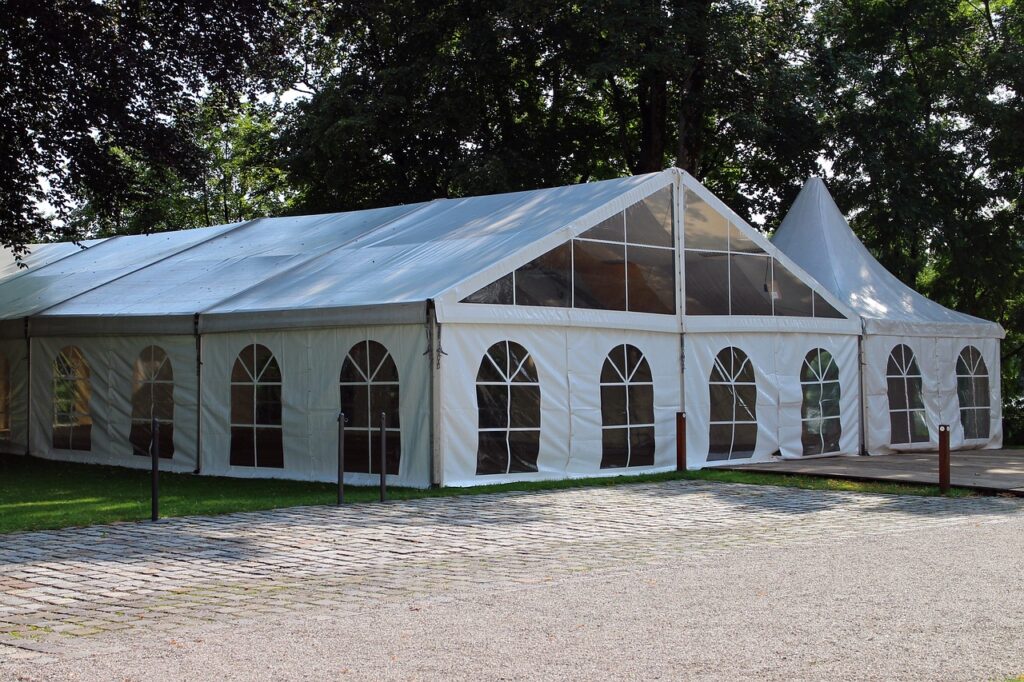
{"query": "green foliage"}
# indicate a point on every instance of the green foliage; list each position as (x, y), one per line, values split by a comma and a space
(237, 178)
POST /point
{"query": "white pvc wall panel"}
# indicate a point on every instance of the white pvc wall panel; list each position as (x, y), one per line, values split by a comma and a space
(936, 360)
(310, 363)
(111, 361)
(15, 351)
(569, 362)
(777, 360)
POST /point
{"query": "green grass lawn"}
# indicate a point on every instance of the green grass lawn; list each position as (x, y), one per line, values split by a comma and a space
(38, 494)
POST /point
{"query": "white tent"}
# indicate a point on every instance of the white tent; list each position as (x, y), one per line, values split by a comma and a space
(923, 364)
(531, 335)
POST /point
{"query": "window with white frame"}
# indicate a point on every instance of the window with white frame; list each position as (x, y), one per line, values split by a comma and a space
(72, 392)
(152, 397)
(906, 403)
(369, 388)
(819, 413)
(627, 409)
(508, 406)
(626, 262)
(972, 393)
(733, 389)
(256, 434)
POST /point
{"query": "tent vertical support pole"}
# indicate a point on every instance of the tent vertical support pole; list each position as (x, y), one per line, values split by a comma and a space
(434, 360)
(199, 394)
(861, 365)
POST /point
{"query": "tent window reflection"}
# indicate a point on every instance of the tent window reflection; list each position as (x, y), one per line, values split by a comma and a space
(627, 409)
(906, 402)
(72, 392)
(369, 387)
(508, 410)
(256, 437)
(973, 394)
(821, 425)
(733, 389)
(152, 397)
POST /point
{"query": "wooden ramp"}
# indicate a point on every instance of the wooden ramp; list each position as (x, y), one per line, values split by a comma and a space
(988, 470)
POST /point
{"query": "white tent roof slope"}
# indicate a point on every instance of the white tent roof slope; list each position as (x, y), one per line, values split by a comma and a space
(817, 237)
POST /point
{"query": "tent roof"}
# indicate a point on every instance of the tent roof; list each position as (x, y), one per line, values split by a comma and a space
(817, 237)
(309, 267)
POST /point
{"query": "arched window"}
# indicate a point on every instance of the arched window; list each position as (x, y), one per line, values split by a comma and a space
(972, 391)
(819, 413)
(256, 439)
(906, 405)
(508, 402)
(5, 398)
(72, 421)
(733, 432)
(152, 396)
(627, 409)
(369, 386)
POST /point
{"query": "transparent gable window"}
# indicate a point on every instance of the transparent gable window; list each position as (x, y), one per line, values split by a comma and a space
(819, 413)
(152, 397)
(733, 430)
(508, 405)
(72, 391)
(906, 404)
(972, 392)
(626, 262)
(627, 409)
(727, 273)
(369, 387)
(256, 437)
(5, 398)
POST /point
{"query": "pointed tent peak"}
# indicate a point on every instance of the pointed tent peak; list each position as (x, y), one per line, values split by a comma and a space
(817, 236)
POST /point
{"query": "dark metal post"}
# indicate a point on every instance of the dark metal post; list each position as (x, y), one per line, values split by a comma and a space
(341, 458)
(383, 457)
(943, 458)
(154, 452)
(680, 441)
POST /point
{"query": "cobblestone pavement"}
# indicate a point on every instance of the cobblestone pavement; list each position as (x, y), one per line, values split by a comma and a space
(60, 590)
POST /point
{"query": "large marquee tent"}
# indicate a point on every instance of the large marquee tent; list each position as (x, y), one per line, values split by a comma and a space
(543, 334)
(923, 364)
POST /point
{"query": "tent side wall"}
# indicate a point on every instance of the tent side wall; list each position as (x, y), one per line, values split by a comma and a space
(777, 360)
(569, 363)
(936, 360)
(108, 381)
(14, 400)
(310, 363)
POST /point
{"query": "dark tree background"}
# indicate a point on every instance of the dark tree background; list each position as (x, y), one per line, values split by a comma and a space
(140, 115)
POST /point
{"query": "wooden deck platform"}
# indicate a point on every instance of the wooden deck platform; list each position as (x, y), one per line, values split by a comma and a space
(988, 470)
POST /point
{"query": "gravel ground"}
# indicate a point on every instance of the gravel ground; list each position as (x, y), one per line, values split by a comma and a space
(935, 603)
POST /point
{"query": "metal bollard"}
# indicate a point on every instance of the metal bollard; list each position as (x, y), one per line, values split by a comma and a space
(154, 452)
(383, 458)
(943, 459)
(341, 458)
(680, 441)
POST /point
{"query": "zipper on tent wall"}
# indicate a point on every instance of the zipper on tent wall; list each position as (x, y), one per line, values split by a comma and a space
(199, 393)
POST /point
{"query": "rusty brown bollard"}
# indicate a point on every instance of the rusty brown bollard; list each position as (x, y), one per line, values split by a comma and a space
(943, 459)
(680, 441)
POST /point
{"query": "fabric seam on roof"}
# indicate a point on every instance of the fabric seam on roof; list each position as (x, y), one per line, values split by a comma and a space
(147, 265)
(827, 240)
(312, 259)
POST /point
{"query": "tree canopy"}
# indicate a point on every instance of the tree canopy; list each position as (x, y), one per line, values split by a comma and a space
(138, 115)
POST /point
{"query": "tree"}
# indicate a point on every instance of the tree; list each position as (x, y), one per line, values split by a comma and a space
(89, 89)
(424, 99)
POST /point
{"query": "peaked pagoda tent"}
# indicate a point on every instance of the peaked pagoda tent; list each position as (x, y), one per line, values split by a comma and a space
(923, 364)
(530, 335)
